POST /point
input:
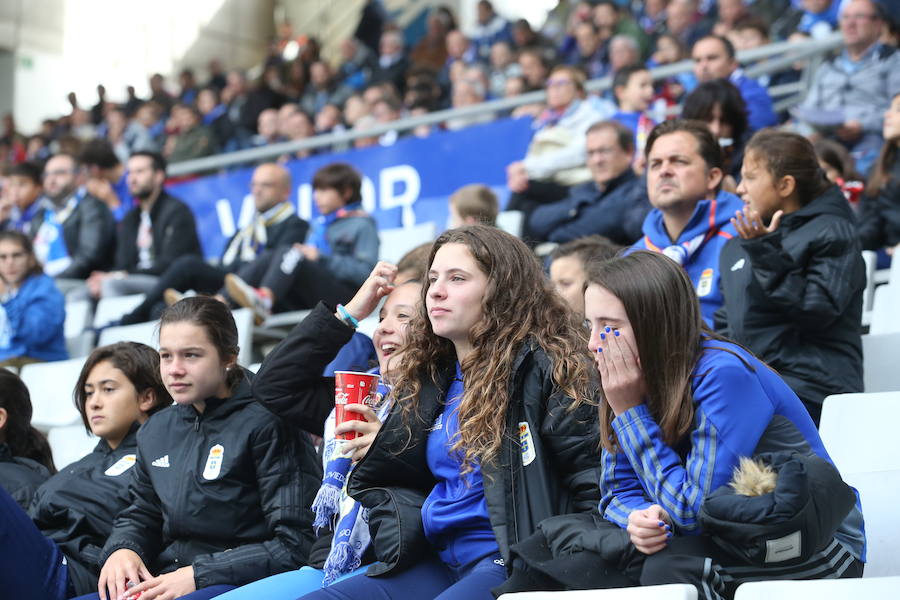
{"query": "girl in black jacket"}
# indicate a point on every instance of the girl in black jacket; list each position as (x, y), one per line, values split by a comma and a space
(793, 281)
(220, 493)
(879, 216)
(119, 387)
(25, 457)
(490, 433)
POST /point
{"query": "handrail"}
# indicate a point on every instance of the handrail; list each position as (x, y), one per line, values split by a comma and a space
(787, 53)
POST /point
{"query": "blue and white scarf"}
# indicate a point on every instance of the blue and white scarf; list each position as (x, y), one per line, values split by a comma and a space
(49, 241)
(318, 236)
(334, 508)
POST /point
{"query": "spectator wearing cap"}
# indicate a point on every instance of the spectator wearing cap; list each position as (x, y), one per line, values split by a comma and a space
(859, 82)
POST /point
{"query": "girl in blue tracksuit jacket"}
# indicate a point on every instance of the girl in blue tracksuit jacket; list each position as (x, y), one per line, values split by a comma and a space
(680, 406)
(51, 552)
(33, 311)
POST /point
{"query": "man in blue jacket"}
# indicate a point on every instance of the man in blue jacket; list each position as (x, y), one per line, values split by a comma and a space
(689, 222)
(613, 204)
(714, 58)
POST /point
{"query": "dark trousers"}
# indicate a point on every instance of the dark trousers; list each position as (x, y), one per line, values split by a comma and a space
(429, 579)
(31, 566)
(296, 283)
(188, 272)
(537, 193)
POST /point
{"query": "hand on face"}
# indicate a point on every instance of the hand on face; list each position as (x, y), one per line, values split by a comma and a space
(649, 529)
(749, 224)
(620, 371)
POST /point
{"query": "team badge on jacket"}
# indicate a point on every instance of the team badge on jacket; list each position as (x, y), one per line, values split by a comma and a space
(527, 444)
(704, 286)
(214, 462)
(121, 465)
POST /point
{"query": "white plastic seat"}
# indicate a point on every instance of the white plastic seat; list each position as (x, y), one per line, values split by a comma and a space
(677, 591)
(145, 333)
(885, 316)
(878, 497)
(78, 317)
(70, 443)
(243, 319)
(394, 243)
(50, 385)
(875, 588)
(858, 429)
(511, 221)
(111, 309)
(880, 352)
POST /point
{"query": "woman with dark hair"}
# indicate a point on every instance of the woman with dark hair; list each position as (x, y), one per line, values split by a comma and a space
(72, 513)
(25, 457)
(492, 432)
(879, 217)
(32, 310)
(219, 493)
(793, 281)
(680, 407)
(719, 104)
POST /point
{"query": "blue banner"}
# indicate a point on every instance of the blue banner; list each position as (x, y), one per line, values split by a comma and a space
(405, 183)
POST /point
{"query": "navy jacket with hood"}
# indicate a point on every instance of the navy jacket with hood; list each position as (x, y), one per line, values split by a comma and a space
(712, 221)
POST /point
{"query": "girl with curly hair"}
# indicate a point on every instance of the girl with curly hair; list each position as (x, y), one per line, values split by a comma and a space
(492, 431)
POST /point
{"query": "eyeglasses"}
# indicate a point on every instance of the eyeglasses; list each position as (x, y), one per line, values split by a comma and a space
(859, 17)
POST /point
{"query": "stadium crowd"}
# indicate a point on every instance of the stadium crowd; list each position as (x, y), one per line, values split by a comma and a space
(700, 296)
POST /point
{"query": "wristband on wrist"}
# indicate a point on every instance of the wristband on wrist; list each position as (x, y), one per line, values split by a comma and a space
(346, 317)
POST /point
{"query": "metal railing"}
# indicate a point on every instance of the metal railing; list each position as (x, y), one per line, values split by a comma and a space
(772, 59)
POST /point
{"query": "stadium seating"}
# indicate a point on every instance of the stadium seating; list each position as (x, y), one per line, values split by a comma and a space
(397, 242)
(112, 309)
(885, 316)
(855, 429)
(883, 588)
(511, 221)
(678, 591)
(70, 443)
(51, 385)
(880, 352)
(878, 497)
(145, 333)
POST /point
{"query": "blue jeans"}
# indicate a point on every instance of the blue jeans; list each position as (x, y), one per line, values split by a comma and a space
(203, 594)
(31, 566)
(285, 586)
(430, 578)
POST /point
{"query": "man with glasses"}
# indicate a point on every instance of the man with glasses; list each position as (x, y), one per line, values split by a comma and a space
(555, 157)
(851, 91)
(73, 232)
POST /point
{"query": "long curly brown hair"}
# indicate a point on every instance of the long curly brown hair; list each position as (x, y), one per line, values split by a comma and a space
(519, 305)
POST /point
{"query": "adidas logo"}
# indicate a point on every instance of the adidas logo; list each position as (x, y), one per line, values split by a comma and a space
(738, 265)
(161, 462)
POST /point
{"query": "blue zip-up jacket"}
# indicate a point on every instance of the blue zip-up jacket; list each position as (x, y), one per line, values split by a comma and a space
(712, 218)
(455, 513)
(36, 315)
(760, 110)
(742, 407)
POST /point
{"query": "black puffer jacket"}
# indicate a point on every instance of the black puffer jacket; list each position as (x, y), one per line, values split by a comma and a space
(174, 233)
(794, 298)
(879, 216)
(227, 491)
(75, 508)
(788, 525)
(556, 470)
(20, 477)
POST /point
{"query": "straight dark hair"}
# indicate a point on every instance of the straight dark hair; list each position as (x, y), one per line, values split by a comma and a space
(707, 145)
(23, 440)
(159, 163)
(341, 177)
(138, 362)
(34, 267)
(701, 103)
(881, 172)
(216, 319)
(784, 153)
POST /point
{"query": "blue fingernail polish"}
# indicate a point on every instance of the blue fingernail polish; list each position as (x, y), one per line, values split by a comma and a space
(599, 349)
(602, 336)
(668, 535)
(662, 523)
(617, 333)
(607, 330)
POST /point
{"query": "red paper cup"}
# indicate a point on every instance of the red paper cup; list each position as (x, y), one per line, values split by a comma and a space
(351, 387)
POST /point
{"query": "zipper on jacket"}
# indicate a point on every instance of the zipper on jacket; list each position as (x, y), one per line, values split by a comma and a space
(197, 423)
